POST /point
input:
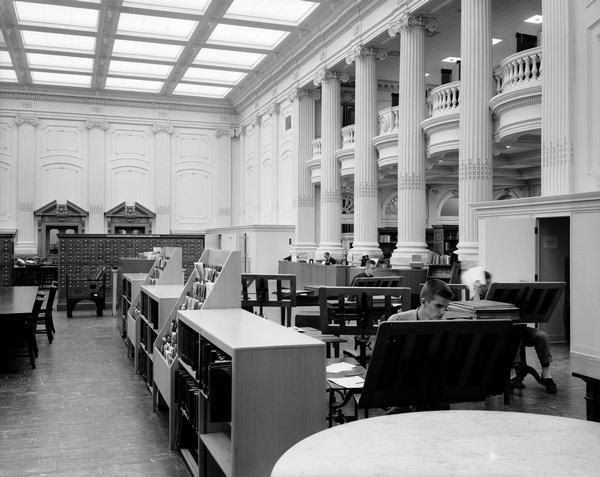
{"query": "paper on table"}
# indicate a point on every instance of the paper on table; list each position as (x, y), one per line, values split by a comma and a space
(349, 382)
(339, 367)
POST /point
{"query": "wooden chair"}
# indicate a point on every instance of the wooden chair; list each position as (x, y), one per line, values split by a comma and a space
(92, 288)
(256, 292)
(21, 333)
(46, 321)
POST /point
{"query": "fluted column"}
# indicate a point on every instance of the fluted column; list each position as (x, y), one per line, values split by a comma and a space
(331, 178)
(96, 174)
(223, 177)
(162, 168)
(365, 158)
(557, 141)
(303, 124)
(411, 141)
(26, 237)
(475, 136)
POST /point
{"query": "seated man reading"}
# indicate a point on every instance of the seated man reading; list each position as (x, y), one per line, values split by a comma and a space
(435, 297)
(368, 272)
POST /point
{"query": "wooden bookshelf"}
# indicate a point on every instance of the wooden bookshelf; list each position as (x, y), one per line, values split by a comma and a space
(257, 389)
(219, 272)
(131, 283)
(166, 270)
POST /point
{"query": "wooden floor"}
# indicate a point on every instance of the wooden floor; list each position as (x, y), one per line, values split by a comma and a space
(83, 412)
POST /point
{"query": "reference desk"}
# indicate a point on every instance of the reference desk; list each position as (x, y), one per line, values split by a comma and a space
(457, 443)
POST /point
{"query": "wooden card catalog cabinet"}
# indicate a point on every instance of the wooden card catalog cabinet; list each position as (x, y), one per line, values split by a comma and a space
(126, 219)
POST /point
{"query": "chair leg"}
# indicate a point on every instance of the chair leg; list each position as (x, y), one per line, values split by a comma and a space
(49, 327)
(34, 346)
(32, 351)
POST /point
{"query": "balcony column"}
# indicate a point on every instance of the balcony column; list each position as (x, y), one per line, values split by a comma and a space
(96, 150)
(303, 124)
(162, 188)
(411, 142)
(26, 243)
(475, 136)
(331, 177)
(557, 140)
(365, 158)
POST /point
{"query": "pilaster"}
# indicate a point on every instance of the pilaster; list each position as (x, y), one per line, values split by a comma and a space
(411, 141)
(25, 243)
(475, 135)
(223, 196)
(331, 178)
(365, 158)
(97, 173)
(557, 141)
(162, 159)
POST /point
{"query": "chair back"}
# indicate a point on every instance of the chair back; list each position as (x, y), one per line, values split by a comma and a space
(31, 323)
(50, 301)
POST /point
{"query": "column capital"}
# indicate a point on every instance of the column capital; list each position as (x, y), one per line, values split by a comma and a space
(404, 22)
(96, 123)
(298, 93)
(232, 132)
(273, 108)
(324, 74)
(27, 119)
(360, 51)
(157, 128)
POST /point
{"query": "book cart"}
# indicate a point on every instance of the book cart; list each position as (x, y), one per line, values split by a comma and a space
(166, 270)
(247, 389)
(213, 283)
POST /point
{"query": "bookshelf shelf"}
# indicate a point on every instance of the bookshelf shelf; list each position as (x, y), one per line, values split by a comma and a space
(214, 283)
(254, 375)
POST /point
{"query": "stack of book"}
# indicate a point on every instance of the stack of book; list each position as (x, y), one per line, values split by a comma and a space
(481, 310)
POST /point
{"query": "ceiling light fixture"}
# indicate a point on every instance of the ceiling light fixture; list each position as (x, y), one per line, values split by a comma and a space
(537, 19)
(451, 59)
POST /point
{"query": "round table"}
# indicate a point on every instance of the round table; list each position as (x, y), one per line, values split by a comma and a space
(448, 443)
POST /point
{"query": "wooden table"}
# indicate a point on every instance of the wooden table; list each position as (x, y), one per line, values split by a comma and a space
(588, 369)
(458, 443)
(16, 302)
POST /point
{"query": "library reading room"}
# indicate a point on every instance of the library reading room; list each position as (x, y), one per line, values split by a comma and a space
(284, 238)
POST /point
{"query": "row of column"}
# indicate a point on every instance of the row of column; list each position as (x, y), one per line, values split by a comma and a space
(475, 136)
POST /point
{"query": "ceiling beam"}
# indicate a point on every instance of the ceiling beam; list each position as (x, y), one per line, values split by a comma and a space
(14, 43)
(108, 20)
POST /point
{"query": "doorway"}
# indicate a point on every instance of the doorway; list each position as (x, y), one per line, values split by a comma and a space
(553, 265)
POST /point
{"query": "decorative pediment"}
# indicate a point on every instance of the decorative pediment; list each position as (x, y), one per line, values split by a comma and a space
(132, 212)
(56, 210)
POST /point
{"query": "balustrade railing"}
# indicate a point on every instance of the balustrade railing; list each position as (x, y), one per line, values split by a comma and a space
(348, 136)
(444, 99)
(519, 69)
(388, 120)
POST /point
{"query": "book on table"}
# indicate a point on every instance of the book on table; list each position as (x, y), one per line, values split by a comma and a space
(482, 310)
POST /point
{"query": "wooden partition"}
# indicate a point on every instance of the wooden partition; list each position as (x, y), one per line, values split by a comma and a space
(315, 274)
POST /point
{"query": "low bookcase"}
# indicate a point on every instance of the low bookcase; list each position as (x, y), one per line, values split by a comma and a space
(246, 390)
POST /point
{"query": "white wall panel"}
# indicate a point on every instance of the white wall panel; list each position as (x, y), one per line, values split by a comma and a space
(62, 164)
(287, 171)
(7, 177)
(268, 201)
(250, 177)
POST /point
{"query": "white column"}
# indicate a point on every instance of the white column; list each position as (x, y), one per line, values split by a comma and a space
(331, 178)
(162, 178)
(475, 173)
(25, 243)
(223, 177)
(366, 207)
(96, 174)
(303, 125)
(557, 140)
(411, 140)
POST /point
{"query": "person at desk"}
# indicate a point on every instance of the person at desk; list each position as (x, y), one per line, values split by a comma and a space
(435, 297)
(532, 337)
(368, 272)
(328, 259)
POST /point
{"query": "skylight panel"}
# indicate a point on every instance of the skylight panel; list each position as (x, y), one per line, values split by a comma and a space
(201, 90)
(47, 14)
(217, 57)
(61, 79)
(5, 59)
(241, 36)
(161, 27)
(58, 41)
(197, 7)
(144, 86)
(147, 50)
(8, 76)
(72, 63)
(292, 12)
(213, 76)
(139, 69)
